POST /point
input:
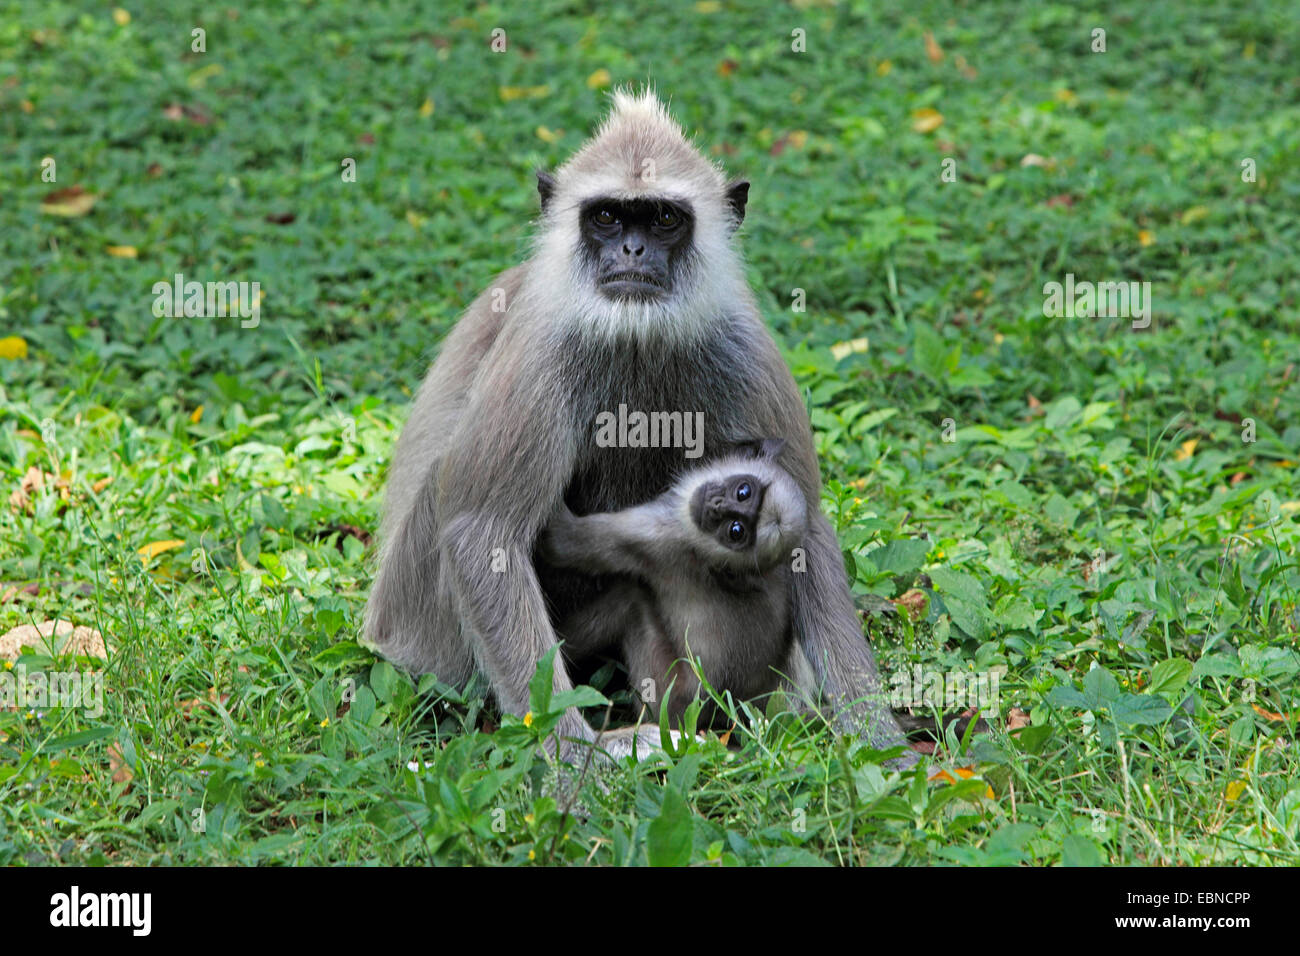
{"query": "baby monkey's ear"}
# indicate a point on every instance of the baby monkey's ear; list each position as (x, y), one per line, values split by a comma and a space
(766, 449)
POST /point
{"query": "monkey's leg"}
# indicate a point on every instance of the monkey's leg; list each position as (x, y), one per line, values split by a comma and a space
(797, 681)
(411, 614)
(513, 425)
(658, 673)
(622, 614)
(604, 621)
(507, 661)
(830, 636)
(498, 595)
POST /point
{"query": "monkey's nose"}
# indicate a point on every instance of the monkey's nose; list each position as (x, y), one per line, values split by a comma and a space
(629, 251)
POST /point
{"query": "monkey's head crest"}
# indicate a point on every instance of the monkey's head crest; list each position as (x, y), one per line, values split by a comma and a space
(639, 151)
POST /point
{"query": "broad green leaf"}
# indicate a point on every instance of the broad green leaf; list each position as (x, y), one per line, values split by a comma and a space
(581, 696)
(669, 835)
(959, 584)
(1078, 850)
(542, 686)
(1217, 665)
(1169, 677)
(1137, 709)
(1101, 688)
(900, 557)
(1062, 412)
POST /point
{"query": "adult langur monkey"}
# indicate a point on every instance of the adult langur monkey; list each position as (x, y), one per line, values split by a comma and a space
(634, 296)
(703, 572)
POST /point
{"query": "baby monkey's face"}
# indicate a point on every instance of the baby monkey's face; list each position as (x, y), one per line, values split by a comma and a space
(728, 510)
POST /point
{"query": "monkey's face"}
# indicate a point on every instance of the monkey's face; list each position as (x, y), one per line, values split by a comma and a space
(634, 248)
(728, 510)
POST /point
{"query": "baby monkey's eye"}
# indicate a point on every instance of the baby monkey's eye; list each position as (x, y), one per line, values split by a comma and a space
(666, 219)
(605, 218)
(736, 531)
(743, 491)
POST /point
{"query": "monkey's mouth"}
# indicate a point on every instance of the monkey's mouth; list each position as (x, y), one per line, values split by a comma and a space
(632, 285)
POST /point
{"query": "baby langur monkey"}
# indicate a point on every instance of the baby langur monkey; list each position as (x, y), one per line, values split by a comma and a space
(704, 571)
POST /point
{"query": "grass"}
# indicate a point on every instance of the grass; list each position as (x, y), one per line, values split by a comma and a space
(1097, 525)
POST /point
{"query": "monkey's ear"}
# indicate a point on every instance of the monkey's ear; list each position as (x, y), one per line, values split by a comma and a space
(767, 449)
(737, 198)
(545, 187)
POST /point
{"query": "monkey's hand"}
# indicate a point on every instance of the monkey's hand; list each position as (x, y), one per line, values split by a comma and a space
(561, 541)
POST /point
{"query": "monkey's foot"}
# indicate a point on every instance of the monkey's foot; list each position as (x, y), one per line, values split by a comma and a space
(592, 762)
(908, 759)
(614, 745)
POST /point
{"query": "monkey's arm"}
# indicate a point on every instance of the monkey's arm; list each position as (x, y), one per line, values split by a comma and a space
(632, 541)
(826, 622)
(830, 632)
(411, 615)
(516, 431)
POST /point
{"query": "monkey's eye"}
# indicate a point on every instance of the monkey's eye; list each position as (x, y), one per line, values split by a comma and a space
(737, 531)
(605, 218)
(744, 491)
(666, 219)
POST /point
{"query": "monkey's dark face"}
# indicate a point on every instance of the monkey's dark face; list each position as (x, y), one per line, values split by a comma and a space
(635, 247)
(728, 510)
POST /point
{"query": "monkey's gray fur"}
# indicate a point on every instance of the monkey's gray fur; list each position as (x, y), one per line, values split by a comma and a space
(502, 431)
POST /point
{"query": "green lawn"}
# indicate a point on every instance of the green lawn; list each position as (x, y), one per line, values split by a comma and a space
(1078, 502)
